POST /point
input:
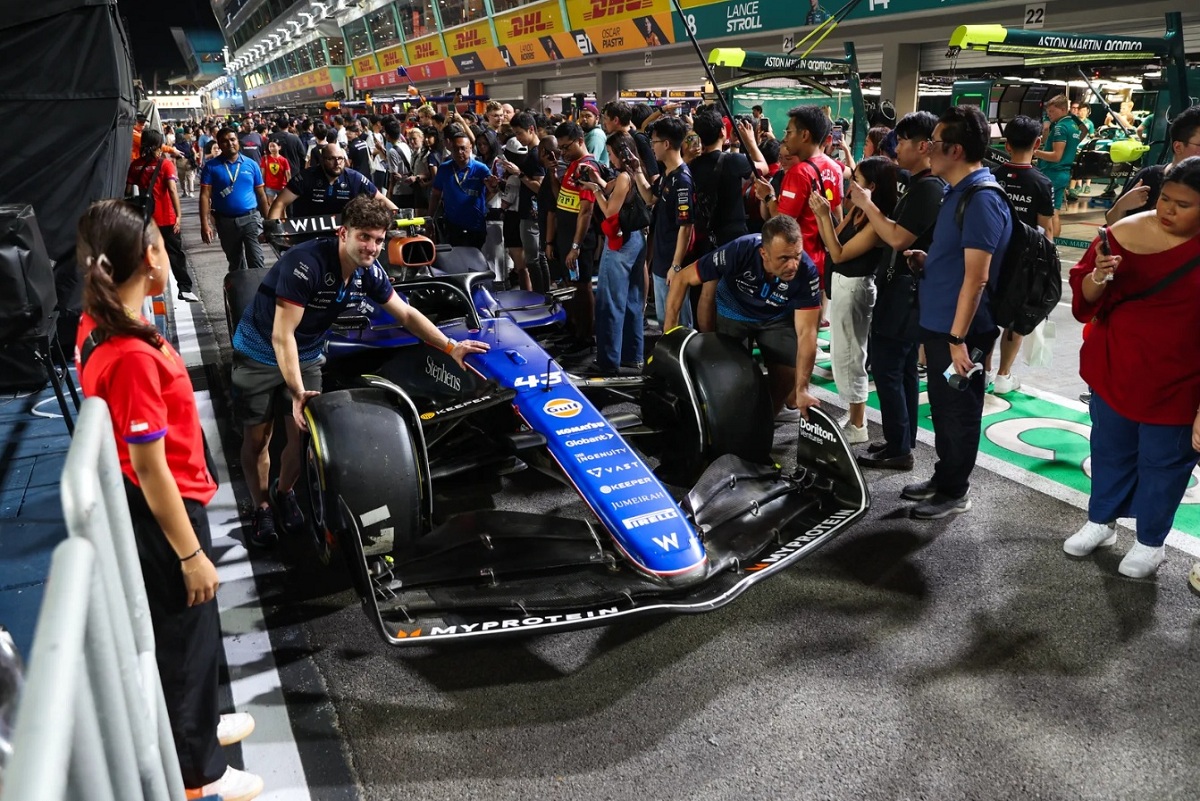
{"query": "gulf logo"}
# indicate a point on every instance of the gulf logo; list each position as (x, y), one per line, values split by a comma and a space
(562, 407)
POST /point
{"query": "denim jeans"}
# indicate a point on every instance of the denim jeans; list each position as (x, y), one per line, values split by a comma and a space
(660, 305)
(620, 296)
(1138, 470)
(894, 366)
(957, 414)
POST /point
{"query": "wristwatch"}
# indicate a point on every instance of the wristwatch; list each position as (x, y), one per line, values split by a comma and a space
(769, 198)
(955, 340)
(574, 246)
(676, 268)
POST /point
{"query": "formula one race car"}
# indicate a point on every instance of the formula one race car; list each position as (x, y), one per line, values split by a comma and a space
(713, 517)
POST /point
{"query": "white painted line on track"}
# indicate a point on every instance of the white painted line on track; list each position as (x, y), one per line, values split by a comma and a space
(271, 751)
(1176, 539)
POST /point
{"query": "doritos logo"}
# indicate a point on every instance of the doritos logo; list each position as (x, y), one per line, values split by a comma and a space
(529, 24)
(424, 50)
(611, 8)
(465, 40)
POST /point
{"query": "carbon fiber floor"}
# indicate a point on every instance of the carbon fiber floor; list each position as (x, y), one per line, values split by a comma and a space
(963, 658)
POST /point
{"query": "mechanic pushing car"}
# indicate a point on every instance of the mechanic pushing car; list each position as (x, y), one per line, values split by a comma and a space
(278, 346)
(768, 291)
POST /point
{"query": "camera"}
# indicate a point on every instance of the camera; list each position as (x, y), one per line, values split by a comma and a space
(960, 382)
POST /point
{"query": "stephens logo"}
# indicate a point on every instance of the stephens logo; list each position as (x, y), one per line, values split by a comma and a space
(610, 8)
(562, 407)
(424, 50)
(466, 40)
(440, 374)
(528, 25)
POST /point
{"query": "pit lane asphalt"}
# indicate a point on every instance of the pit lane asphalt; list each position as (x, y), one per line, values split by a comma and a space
(963, 658)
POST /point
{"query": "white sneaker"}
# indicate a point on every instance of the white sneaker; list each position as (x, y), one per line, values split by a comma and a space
(1194, 578)
(234, 728)
(235, 785)
(989, 378)
(189, 296)
(855, 435)
(844, 420)
(1091, 537)
(1141, 561)
(1005, 384)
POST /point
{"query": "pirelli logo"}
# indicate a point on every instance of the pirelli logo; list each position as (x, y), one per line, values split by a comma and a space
(603, 9)
(528, 25)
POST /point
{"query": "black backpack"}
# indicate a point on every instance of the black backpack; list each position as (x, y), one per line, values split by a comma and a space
(1030, 281)
(704, 208)
(144, 200)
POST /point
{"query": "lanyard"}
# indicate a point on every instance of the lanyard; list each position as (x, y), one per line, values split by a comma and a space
(234, 176)
(460, 178)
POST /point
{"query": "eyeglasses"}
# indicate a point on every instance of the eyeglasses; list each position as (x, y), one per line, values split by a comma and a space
(942, 142)
(658, 141)
(334, 158)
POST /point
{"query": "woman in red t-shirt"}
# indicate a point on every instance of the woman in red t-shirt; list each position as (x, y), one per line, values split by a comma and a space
(122, 359)
(276, 170)
(1141, 358)
(166, 211)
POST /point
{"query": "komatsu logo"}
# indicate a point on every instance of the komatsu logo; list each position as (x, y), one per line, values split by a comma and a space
(815, 432)
(562, 432)
(440, 374)
(657, 516)
(509, 624)
(827, 525)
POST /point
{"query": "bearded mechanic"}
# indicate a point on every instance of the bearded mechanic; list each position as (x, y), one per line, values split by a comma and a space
(279, 342)
(768, 293)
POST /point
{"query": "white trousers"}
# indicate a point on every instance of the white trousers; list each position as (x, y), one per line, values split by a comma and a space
(850, 305)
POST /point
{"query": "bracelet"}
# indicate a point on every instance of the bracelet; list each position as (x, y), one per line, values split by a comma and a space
(1092, 275)
(197, 552)
(449, 346)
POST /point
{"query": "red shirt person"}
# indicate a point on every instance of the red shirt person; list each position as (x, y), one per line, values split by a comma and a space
(164, 200)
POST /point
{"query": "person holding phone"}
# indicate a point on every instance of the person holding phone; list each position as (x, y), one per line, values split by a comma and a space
(1145, 405)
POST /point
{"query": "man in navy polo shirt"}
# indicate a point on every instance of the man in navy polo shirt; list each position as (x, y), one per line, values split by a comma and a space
(278, 346)
(231, 189)
(462, 186)
(768, 291)
(325, 188)
(962, 265)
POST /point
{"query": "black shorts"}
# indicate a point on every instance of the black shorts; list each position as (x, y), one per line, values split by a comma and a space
(512, 229)
(776, 340)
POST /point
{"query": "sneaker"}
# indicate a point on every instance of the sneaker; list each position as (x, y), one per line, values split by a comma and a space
(1085, 397)
(1090, 537)
(856, 435)
(1005, 384)
(921, 491)
(235, 785)
(263, 534)
(1141, 561)
(824, 323)
(989, 378)
(188, 295)
(940, 506)
(234, 728)
(1194, 578)
(921, 370)
(288, 509)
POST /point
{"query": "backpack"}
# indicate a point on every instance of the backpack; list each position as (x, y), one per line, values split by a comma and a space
(704, 208)
(1030, 281)
(144, 199)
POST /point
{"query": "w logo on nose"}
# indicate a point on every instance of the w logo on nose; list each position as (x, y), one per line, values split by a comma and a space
(668, 542)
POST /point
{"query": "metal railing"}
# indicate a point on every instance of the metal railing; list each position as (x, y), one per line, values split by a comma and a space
(92, 722)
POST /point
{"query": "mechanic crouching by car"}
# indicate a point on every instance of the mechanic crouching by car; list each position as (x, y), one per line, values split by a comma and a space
(278, 344)
(768, 291)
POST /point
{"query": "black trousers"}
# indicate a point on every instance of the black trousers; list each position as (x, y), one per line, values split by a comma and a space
(894, 367)
(179, 262)
(187, 642)
(957, 414)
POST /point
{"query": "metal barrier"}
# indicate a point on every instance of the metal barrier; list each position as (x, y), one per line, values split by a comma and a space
(92, 722)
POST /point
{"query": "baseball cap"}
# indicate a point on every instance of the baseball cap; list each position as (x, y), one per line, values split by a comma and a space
(515, 147)
(592, 108)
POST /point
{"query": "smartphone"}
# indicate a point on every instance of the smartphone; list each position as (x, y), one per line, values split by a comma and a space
(625, 154)
(837, 136)
(1105, 250)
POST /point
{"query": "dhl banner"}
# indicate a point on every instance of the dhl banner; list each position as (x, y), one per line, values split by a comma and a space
(533, 34)
(426, 58)
(612, 26)
(472, 49)
(318, 80)
(366, 65)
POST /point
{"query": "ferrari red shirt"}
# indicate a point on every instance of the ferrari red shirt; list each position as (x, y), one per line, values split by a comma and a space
(149, 395)
(821, 174)
(140, 173)
(274, 170)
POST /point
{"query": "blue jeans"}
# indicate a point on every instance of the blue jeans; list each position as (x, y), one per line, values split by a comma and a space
(660, 305)
(894, 366)
(1138, 470)
(620, 296)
